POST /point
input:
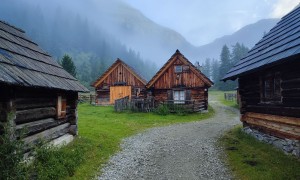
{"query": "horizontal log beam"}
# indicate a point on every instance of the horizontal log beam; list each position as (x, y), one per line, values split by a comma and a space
(25, 116)
(29, 103)
(274, 118)
(37, 126)
(290, 130)
(48, 134)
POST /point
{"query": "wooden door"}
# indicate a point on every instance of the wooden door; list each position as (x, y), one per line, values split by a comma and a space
(117, 92)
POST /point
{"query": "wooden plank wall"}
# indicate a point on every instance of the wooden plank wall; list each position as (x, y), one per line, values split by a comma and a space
(171, 79)
(121, 74)
(36, 116)
(280, 119)
(117, 92)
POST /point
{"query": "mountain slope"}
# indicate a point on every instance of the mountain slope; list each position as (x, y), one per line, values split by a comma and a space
(248, 35)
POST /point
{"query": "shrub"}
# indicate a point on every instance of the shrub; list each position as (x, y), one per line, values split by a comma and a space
(162, 110)
(55, 163)
(11, 155)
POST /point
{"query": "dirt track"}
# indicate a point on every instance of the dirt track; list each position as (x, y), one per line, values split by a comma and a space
(182, 151)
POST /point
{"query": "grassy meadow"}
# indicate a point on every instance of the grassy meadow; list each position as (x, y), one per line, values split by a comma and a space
(250, 159)
(220, 97)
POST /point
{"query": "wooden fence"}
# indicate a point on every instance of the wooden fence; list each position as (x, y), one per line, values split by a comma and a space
(86, 98)
(185, 105)
(230, 96)
(137, 105)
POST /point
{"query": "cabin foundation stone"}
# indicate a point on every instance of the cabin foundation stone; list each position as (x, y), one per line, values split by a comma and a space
(289, 146)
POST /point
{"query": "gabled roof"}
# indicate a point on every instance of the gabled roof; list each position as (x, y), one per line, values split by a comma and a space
(178, 56)
(276, 47)
(113, 67)
(24, 63)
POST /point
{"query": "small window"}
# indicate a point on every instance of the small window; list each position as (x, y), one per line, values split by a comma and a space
(271, 88)
(61, 107)
(179, 97)
(178, 69)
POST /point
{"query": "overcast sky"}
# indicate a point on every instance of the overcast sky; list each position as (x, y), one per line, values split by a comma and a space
(200, 21)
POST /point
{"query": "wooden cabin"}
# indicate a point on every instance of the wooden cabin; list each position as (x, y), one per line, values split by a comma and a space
(180, 82)
(38, 98)
(269, 81)
(118, 81)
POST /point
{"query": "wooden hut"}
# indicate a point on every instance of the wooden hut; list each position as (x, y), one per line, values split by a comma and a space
(269, 81)
(118, 81)
(180, 82)
(37, 96)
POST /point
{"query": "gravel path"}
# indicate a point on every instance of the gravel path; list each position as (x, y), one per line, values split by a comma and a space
(182, 151)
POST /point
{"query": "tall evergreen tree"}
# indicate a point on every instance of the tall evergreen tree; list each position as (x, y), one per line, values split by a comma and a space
(215, 66)
(207, 68)
(68, 65)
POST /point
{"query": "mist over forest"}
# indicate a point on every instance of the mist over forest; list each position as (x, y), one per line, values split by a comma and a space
(97, 32)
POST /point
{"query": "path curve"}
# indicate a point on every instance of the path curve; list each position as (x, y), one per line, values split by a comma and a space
(181, 151)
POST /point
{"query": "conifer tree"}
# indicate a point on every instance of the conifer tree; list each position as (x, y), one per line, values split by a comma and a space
(68, 65)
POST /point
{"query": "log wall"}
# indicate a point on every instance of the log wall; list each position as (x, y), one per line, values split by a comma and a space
(199, 95)
(277, 118)
(36, 114)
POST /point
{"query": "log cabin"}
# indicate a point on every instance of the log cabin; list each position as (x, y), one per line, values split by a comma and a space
(180, 82)
(38, 98)
(269, 81)
(118, 81)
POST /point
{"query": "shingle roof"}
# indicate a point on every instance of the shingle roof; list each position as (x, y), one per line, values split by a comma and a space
(178, 55)
(24, 63)
(109, 70)
(275, 47)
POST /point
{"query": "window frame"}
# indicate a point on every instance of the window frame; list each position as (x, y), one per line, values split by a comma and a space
(270, 85)
(61, 107)
(180, 97)
(180, 70)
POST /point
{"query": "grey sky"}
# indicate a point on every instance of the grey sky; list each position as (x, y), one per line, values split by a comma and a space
(202, 21)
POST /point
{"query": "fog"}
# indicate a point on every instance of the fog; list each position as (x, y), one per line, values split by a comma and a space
(155, 29)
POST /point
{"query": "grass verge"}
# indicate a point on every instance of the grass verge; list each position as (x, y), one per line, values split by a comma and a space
(251, 159)
(101, 131)
(220, 96)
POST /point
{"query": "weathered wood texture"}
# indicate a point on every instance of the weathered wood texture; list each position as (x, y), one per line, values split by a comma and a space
(280, 126)
(118, 92)
(170, 79)
(119, 74)
(288, 108)
(199, 95)
(35, 112)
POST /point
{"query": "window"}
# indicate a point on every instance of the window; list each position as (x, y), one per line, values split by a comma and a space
(179, 97)
(271, 88)
(178, 69)
(61, 109)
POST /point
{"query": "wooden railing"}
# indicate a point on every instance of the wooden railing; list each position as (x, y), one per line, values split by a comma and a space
(137, 105)
(186, 105)
(86, 98)
(230, 96)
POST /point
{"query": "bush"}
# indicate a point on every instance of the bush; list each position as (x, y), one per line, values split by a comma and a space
(55, 163)
(11, 155)
(162, 110)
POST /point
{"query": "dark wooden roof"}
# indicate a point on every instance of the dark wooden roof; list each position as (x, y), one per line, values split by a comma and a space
(175, 56)
(24, 63)
(276, 47)
(112, 67)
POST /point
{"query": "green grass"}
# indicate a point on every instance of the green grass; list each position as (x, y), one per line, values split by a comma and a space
(220, 96)
(251, 159)
(101, 131)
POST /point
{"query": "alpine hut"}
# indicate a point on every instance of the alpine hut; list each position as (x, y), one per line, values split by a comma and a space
(269, 81)
(118, 81)
(180, 82)
(38, 97)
